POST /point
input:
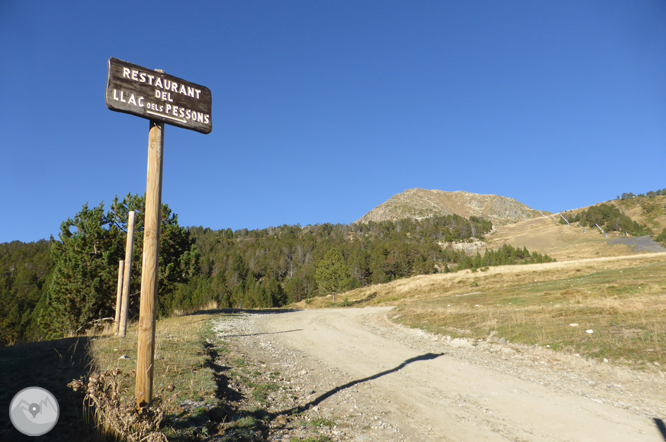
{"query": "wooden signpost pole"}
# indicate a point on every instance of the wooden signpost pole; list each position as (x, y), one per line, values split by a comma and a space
(160, 98)
(129, 248)
(119, 296)
(151, 241)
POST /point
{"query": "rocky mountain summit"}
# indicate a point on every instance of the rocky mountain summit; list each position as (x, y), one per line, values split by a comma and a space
(421, 203)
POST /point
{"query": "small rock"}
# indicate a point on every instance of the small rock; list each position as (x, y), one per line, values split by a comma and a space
(503, 341)
(574, 325)
(656, 363)
(605, 360)
(589, 332)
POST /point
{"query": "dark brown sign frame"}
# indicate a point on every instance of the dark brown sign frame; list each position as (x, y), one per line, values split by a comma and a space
(157, 96)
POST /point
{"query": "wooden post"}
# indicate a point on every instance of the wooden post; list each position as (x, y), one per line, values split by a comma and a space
(129, 248)
(119, 295)
(151, 241)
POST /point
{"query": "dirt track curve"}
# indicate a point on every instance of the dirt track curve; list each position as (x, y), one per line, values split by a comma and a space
(392, 383)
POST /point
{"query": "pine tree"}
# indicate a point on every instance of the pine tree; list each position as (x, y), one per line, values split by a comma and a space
(332, 274)
(83, 286)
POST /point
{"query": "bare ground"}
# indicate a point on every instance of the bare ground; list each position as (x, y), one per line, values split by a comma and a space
(372, 380)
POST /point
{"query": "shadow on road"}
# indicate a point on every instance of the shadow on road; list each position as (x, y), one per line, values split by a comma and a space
(661, 427)
(328, 394)
(259, 334)
(258, 311)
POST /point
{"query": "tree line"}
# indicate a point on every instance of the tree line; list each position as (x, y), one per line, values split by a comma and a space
(25, 273)
(53, 288)
(650, 194)
(280, 265)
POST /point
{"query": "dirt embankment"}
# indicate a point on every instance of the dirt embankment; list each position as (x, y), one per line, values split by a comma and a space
(380, 382)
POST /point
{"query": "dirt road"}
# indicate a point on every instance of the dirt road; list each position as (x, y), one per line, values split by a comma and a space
(391, 383)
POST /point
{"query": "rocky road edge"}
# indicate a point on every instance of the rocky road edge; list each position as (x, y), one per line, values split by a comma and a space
(266, 378)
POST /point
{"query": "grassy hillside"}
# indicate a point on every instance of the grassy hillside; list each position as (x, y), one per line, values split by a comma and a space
(619, 298)
(645, 210)
(562, 242)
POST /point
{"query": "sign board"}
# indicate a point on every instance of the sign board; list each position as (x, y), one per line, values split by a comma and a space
(157, 96)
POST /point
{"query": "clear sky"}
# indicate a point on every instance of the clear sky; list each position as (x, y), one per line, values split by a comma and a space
(323, 110)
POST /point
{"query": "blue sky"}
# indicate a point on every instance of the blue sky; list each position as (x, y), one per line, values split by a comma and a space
(323, 110)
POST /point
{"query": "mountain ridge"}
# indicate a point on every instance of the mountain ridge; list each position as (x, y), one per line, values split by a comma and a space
(421, 203)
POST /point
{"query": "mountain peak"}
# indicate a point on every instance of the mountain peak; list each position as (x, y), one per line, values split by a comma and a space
(422, 203)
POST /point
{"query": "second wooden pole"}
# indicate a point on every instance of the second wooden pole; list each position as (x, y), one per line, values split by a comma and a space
(151, 242)
(119, 296)
(129, 248)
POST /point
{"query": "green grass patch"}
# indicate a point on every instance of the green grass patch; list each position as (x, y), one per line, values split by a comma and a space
(247, 422)
(260, 392)
(320, 422)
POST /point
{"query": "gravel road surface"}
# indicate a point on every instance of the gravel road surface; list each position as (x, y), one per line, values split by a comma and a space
(382, 382)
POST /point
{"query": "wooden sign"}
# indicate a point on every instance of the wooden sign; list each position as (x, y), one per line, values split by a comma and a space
(157, 96)
(160, 98)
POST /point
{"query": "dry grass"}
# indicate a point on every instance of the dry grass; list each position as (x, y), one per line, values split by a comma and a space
(118, 416)
(211, 305)
(420, 287)
(562, 242)
(181, 375)
(621, 299)
(648, 211)
(569, 243)
(180, 358)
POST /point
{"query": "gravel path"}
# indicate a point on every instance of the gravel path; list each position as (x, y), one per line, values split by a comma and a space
(639, 244)
(375, 381)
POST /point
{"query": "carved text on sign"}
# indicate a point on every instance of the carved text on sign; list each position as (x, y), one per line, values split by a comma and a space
(158, 96)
